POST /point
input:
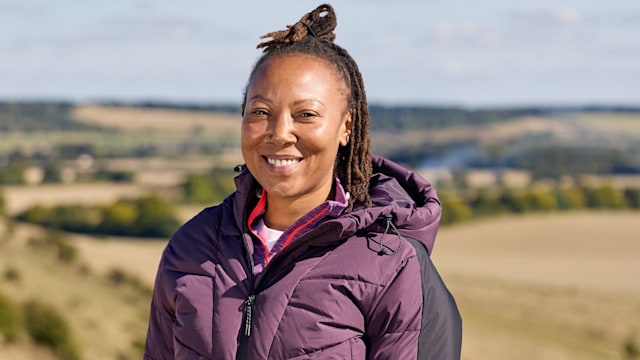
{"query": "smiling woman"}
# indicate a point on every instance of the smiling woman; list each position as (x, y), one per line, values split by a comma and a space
(323, 251)
(295, 119)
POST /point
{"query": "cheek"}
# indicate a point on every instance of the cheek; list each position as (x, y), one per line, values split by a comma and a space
(250, 133)
(323, 138)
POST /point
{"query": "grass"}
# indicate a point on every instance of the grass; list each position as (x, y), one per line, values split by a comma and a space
(104, 319)
(611, 123)
(136, 120)
(556, 286)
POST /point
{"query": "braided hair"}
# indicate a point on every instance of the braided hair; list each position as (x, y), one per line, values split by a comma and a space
(313, 35)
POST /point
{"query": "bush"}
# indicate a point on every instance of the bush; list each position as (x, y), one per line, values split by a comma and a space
(515, 201)
(149, 216)
(632, 196)
(486, 204)
(12, 274)
(209, 188)
(58, 243)
(454, 209)
(570, 198)
(9, 319)
(156, 217)
(3, 204)
(48, 328)
(605, 197)
(198, 189)
(631, 349)
(542, 200)
(119, 217)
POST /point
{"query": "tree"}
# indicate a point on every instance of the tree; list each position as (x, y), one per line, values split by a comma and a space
(571, 197)
(605, 197)
(515, 201)
(199, 189)
(542, 200)
(454, 209)
(119, 218)
(486, 203)
(156, 217)
(632, 196)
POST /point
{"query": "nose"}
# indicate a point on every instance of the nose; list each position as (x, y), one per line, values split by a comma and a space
(283, 130)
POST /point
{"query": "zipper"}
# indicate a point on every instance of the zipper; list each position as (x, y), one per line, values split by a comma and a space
(269, 273)
(248, 314)
(243, 338)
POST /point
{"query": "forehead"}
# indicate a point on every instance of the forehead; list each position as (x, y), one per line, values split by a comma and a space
(299, 62)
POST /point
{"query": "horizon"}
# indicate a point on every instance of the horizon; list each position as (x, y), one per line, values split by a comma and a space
(203, 104)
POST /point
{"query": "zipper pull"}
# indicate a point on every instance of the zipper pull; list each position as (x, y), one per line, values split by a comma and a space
(248, 313)
(388, 222)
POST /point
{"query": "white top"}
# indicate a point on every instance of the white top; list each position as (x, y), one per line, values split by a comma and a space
(268, 234)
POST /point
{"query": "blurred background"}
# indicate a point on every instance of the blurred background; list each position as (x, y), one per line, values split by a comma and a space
(120, 120)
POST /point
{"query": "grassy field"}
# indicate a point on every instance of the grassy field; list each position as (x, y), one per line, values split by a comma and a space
(137, 120)
(561, 286)
(107, 320)
(557, 286)
(19, 198)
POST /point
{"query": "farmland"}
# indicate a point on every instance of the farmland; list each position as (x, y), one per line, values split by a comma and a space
(557, 285)
(532, 287)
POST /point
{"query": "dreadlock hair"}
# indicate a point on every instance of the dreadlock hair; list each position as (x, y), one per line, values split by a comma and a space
(313, 35)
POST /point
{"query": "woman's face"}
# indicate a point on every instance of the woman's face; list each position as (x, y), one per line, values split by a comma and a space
(295, 117)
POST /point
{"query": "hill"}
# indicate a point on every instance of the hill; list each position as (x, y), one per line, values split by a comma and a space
(106, 312)
(554, 286)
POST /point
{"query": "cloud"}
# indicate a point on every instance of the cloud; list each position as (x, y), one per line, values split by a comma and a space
(9, 9)
(549, 17)
(469, 34)
(567, 16)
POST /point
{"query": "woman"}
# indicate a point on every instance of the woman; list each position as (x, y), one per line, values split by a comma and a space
(323, 250)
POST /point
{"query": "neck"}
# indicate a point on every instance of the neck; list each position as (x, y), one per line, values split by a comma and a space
(283, 212)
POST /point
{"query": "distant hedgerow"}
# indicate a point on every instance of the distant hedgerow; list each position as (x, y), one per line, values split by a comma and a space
(148, 216)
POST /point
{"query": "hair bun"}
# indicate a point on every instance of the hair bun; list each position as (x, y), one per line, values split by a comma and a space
(318, 23)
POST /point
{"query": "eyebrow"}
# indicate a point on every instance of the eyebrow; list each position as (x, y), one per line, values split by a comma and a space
(297, 102)
(258, 97)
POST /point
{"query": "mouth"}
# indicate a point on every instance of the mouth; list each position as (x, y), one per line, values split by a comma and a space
(282, 162)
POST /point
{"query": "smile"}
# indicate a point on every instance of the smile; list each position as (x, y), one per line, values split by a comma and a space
(282, 162)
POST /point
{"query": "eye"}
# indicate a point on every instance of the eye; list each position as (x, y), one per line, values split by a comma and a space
(307, 115)
(260, 112)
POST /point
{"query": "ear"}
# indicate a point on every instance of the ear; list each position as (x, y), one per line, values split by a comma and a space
(345, 129)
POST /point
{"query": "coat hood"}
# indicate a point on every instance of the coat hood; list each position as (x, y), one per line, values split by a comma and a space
(402, 196)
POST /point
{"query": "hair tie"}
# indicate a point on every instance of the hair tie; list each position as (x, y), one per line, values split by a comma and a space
(310, 30)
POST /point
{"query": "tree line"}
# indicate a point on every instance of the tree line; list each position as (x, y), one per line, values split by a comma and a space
(460, 206)
(34, 116)
(149, 216)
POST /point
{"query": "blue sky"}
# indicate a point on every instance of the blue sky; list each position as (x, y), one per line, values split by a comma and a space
(436, 52)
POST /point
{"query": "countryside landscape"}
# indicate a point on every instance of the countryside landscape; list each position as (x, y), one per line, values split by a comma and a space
(539, 243)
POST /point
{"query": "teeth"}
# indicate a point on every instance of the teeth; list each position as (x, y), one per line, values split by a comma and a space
(278, 162)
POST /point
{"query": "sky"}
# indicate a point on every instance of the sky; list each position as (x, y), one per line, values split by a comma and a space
(415, 52)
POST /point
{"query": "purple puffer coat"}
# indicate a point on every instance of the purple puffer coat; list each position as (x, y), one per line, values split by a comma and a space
(360, 286)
